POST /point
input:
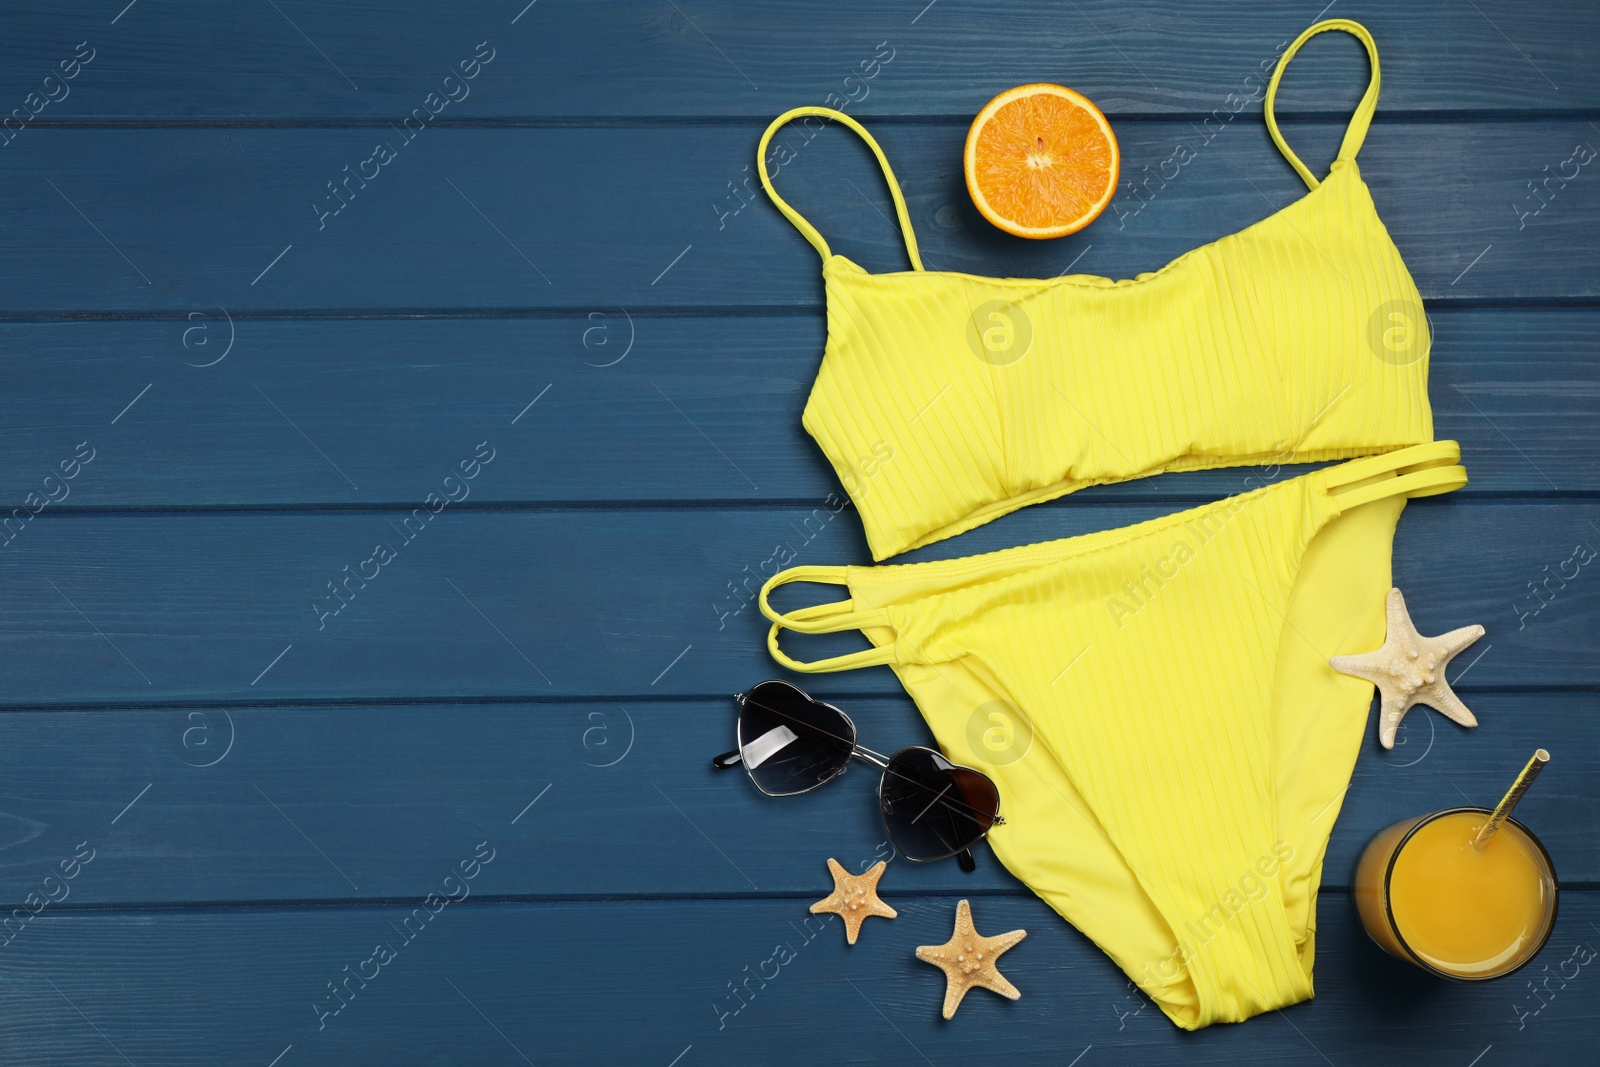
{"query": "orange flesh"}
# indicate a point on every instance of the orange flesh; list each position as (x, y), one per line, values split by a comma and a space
(1042, 161)
(1466, 911)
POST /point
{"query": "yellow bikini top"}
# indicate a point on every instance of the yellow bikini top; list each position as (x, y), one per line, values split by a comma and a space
(945, 399)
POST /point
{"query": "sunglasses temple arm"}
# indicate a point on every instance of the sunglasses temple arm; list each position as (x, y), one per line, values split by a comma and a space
(964, 858)
(734, 758)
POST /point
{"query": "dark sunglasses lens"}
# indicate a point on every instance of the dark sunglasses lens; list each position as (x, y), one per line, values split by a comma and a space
(789, 742)
(934, 808)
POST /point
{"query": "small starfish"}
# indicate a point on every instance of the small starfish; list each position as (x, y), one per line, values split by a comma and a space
(967, 960)
(854, 897)
(1409, 669)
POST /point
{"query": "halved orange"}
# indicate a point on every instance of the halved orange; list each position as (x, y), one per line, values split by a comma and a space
(1041, 161)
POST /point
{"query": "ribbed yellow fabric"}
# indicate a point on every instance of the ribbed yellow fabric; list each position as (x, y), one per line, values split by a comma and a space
(1156, 707)
(945, 400)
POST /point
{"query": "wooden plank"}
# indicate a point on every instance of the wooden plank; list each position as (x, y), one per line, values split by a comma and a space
(211, 803)
(271, 785)
(525, 220)
(628, 399)
(164, 609)
(318, 61)
(646, 982)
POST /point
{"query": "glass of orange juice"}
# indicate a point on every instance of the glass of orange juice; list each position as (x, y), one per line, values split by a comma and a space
(1426, 894)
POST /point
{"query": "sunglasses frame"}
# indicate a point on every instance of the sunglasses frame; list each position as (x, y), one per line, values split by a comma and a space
(866, 755)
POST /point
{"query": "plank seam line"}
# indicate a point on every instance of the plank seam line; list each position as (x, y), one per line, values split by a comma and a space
(1442, 116)
(697, 697)
(989, 892)
(1467, 497)
(1445, 303)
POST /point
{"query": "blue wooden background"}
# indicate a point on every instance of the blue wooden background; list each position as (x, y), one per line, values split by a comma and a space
(568, 272)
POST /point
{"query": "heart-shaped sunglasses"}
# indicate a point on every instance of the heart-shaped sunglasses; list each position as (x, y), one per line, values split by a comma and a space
(790, 743)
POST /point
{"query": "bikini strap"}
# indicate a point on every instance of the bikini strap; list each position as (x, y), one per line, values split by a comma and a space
(806, 229)
(1421, 470)
(821, 619)
(1357, 131)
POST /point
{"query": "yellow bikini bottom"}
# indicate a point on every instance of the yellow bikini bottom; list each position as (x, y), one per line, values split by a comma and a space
(1156, 706)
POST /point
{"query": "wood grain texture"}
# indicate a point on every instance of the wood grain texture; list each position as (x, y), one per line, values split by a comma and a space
(588, 219)
(628, 399)
(363, 61)
(268, 387)
(165, 608)
(624, 801)
(643, 982)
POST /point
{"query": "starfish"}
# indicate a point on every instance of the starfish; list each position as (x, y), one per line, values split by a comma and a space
(967, 960)
(1409, 669)
(854, 897)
